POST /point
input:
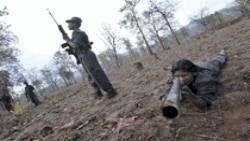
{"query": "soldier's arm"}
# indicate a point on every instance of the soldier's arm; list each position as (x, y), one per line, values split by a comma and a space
(73, 42)
(33, 88)
(205, 94)
(80, 40)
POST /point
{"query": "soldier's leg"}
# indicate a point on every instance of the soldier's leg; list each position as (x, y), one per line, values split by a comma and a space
(220, 60)
(97, 90)
(8, 106)
(36, 100)
(33, 99)
(94, 69)
(98, 93)
(101, 78)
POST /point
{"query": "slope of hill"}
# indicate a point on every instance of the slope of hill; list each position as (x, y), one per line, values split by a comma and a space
(71, 113)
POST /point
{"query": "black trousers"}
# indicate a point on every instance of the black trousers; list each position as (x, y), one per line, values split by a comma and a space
(34, 98)
(96, 75)
(8, 106)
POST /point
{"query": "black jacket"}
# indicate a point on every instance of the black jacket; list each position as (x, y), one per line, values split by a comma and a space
(206, 80)
(205, 86)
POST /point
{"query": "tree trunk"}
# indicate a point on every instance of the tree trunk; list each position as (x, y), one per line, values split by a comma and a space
(64, 80)
(171, 29)
(143, 36)
(131, 52)
(116, 57)
(160, 41)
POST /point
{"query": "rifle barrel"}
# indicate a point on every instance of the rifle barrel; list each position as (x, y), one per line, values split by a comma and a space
(52, 17)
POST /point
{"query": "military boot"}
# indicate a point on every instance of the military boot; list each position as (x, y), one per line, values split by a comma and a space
(98, 95)
(111, 93)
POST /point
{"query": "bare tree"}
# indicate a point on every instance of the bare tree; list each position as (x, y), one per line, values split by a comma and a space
(184, 33)
(132, 20)
(155, 26)
(50, 76)
(110, 38)
(66, 75)
(142, 50)
(201, 17)
(107, 59)
(128, 46)
(166, 9)
(64, 65)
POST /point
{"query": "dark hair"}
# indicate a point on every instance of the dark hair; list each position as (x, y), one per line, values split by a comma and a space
(183, 65)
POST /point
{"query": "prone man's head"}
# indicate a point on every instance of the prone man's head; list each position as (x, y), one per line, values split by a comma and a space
(184, 70)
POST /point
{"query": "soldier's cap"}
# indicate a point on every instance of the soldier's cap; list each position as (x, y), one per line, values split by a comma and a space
(74, 20)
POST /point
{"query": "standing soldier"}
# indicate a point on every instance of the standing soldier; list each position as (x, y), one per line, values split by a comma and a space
(80, 45)
(30, 95)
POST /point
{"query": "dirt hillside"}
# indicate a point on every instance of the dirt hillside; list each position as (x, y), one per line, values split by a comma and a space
(71, 113)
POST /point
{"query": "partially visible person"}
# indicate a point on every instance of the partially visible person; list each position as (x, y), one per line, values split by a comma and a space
(7, 101)
(30, 95)
(199, 82)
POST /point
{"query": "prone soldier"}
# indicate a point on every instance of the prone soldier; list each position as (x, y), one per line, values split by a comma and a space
(198, 82)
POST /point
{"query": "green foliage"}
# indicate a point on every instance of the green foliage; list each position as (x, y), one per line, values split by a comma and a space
(54, 101)
(218, 18)
(19, 108)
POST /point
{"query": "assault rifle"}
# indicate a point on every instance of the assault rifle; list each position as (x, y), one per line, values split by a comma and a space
(64, 34)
